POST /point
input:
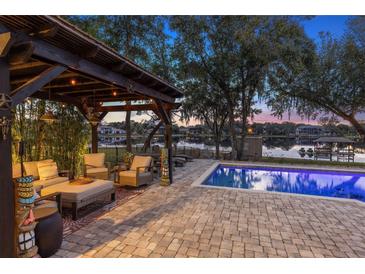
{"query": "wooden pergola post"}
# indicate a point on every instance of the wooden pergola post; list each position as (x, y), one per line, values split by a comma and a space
(94, 138)
(164, 112)
(168, 145)
(7, 201)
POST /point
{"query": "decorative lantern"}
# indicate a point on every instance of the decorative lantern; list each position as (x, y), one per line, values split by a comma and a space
(5, 104)
(165, 178)
(25, 218)
(48, 117)
(4, 127)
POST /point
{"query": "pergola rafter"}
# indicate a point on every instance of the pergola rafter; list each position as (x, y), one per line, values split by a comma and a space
(47, 58)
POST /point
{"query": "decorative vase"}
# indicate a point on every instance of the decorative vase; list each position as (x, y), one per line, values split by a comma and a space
(25, 197)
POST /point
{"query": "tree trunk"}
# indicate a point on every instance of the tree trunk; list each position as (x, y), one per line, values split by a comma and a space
(232, 129)
(240, 155)
(147, 143)
(128, 129)
(359, 128)
(217, 154)
(94, 138)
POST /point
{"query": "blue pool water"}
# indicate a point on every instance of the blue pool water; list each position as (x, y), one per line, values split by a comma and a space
(310, 182)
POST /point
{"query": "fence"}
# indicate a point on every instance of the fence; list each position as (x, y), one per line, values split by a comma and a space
(113, 153)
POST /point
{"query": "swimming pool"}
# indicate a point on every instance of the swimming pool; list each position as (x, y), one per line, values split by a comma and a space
(300, 181)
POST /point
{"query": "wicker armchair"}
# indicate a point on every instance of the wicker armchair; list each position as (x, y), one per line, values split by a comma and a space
(96, 167)
(140, 172)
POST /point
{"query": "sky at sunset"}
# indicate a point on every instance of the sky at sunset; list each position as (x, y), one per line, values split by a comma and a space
(334, 24)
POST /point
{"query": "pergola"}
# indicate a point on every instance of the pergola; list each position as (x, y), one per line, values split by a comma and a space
(46, 57)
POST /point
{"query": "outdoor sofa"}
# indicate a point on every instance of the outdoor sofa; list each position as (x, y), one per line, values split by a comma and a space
(48, 182)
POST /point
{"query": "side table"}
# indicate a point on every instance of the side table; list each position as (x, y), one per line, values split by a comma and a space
(49, 230)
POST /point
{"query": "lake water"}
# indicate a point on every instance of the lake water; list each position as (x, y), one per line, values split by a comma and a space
(280, 147)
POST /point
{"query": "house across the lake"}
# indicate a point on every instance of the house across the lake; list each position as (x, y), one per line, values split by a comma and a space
(111, 135)
(311, 131)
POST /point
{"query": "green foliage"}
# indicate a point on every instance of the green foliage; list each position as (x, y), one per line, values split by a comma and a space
(329, 81)
(64, 141)
(127, 158)
(235, 55)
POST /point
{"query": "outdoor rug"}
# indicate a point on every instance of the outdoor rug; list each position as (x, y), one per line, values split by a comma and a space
(93, 211)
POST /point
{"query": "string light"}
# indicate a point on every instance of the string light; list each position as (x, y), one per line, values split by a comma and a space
(73, 82)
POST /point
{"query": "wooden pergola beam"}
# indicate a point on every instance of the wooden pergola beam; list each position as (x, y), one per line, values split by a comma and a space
(65, 75)
(110, 99)
(66, 86)
(6, 41)
(127, 108)
(53, 54)
(103, 114)
(27, 66)
(141, 107)
(81, 92)
(20, 54)
(49, 30)
(33, 85)
(60, 56)
(56, 98)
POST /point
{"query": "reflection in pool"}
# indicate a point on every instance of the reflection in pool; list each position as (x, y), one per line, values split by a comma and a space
(320, 183)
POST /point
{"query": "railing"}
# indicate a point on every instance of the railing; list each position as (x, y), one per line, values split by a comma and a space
(114, 153)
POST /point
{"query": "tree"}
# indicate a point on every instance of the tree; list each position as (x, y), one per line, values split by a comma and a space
(203, 101)
(237, 53)
(330, 83)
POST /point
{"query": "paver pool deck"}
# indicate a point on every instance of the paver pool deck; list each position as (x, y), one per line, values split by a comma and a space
(185, 221)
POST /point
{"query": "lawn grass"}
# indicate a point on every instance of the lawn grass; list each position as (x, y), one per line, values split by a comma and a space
(310, 162)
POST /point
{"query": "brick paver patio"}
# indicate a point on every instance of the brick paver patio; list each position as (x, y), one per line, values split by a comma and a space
(185, 221)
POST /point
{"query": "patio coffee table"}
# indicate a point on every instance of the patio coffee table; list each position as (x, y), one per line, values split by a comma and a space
(76, 196)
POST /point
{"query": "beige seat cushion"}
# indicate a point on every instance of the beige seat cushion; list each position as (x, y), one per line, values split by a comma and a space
(95, 159)
(46, 183)
(31, 168)
(46, 204)
(130, 177)
(96, 170)
(75, 193)
(17, 172)
(47, 171)
(140, 161)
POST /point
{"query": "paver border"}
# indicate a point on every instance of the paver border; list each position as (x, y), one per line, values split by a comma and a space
(199, 182)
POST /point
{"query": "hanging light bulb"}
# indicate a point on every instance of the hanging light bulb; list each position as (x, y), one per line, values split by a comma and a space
(114, 93)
